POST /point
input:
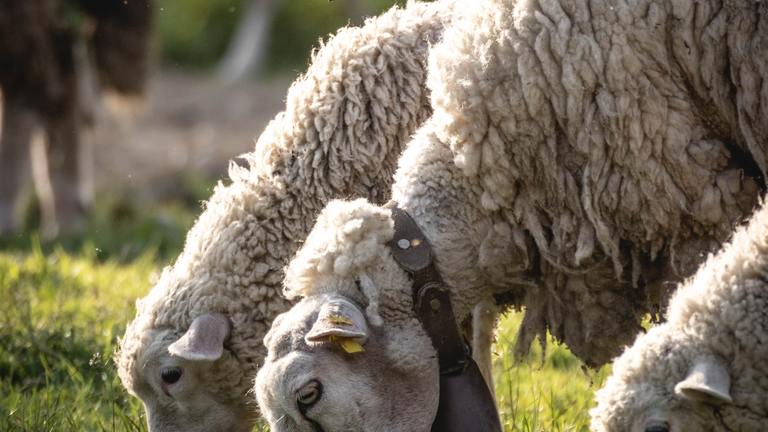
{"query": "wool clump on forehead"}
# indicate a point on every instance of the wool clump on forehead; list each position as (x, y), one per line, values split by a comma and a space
(347, 242)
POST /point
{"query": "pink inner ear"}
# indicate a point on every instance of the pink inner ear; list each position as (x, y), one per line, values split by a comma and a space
(204, 340)
(338, 318)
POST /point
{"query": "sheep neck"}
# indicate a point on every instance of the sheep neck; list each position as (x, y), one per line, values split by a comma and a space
(443, 203)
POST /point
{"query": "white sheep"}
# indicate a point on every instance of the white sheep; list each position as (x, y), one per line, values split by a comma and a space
(612, 145)
(352, 355)
(195, 345)
(706, 368)
(579, 160)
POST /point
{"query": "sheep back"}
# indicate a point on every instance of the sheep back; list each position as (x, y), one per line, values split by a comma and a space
(625, 139)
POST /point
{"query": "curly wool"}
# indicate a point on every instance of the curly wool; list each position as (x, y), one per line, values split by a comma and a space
(721, 311)
(344, 125)
(347, 253)
(615, 146)
(347, 239)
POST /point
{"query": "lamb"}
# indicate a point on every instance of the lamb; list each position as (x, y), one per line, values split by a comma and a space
(579, 160)
(44, 50)
(195, 345)
(704, 369)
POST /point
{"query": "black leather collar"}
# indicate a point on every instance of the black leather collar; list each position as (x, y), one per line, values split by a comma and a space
(431, 300)
(466, 403)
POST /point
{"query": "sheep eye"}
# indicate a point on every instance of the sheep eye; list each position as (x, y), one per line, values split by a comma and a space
(170, 375)
(309, 394)
(657, 427)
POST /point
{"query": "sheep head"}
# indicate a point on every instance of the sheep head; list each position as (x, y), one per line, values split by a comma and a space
(206, 316)
(328, 366)
(180, 379)
(663, 384)
(351, 355)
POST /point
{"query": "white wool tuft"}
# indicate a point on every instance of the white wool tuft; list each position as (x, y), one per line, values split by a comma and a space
(348, 238)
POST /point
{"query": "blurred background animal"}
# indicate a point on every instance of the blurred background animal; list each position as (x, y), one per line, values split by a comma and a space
(55, 57)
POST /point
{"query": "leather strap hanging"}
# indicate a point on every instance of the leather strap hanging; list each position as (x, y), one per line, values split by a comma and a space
(466, 403)
(432, 302)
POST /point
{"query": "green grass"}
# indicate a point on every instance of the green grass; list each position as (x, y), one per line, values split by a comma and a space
(61, 315)
(63, 306)
(551, 393)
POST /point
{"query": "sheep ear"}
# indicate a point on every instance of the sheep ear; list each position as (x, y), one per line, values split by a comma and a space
(707, 381)
(338, 318)
(204, 340)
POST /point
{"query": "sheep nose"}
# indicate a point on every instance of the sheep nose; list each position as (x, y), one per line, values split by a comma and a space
(657, 427)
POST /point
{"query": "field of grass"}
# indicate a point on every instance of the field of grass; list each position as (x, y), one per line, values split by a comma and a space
(64, 305)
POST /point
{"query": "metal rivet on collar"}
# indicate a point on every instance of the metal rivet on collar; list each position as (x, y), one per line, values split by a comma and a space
(403, 243)
(435, 304)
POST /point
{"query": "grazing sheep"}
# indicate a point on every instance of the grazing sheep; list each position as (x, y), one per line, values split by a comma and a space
(580, 159)
(613, 147)
(196, 342)
(388, 378)
(577, 175)
(705, 369)
(42, 58)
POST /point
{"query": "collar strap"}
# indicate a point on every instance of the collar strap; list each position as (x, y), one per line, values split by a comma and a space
(431, 299)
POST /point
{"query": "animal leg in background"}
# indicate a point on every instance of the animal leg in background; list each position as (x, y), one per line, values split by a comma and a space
(57, 170)
(64, 210)
(19, 123)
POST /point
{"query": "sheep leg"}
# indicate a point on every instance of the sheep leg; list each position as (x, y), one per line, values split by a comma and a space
(18, 124)
(63, 209)
(483, 324)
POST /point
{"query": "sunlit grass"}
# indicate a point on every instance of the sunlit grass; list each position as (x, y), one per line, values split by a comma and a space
(60, 318)
(552, 393)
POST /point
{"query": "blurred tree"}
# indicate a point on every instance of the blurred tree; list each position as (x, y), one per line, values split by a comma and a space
(246, 52)
(197, 33)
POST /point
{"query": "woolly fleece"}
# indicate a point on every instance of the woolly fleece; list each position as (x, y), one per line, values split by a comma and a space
(604, 150)
(581, 158)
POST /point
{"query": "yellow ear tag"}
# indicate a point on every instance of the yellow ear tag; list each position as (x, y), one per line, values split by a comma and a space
(351, 346)
(338, 319)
